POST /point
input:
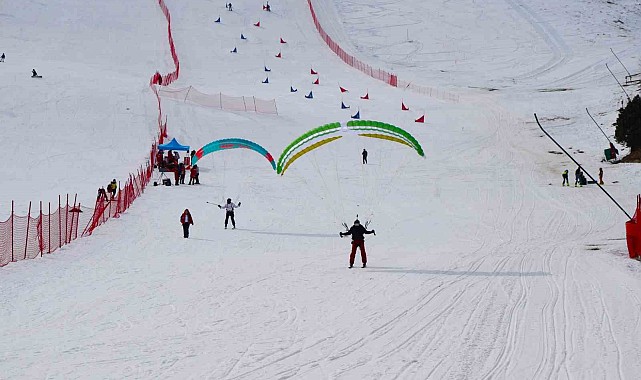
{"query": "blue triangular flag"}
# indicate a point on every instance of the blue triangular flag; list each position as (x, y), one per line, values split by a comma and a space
(310, 95)
(234, 51)
(217, 20)
(268, 70)
(292, 89)
(343, 106)
(266, 80)
(242, 37)
(357, 116)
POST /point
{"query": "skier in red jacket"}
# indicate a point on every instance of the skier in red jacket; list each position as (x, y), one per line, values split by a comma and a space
(358, 233)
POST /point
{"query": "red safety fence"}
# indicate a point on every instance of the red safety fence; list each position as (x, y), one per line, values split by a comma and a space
(27, 237)
(633, 232)
(107, 208)
(379, 74)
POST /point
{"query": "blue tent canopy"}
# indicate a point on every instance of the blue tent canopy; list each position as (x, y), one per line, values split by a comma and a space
(173, 145)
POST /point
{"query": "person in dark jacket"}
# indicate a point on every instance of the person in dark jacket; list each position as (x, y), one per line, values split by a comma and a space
(2, 57)
(577, 176)
(181, 170)
(364, 156)
(358, 233)
(186, 220)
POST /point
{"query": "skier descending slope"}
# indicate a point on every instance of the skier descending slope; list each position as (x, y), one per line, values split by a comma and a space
(358, 233)
(229, 212)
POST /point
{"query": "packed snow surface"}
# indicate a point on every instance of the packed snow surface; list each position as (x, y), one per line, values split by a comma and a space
(483, 266)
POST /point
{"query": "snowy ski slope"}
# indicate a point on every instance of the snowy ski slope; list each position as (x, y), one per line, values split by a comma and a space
(483, 265)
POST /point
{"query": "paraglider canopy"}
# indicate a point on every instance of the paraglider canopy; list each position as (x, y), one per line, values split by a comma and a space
(173, 145)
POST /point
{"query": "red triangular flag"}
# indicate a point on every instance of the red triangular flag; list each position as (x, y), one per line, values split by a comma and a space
(420, 119)
(366, 97)
(342, 89)
(257, 24)
(313, 72)
(282, 41)
(403, 107)
(279, 55)
(317, 81)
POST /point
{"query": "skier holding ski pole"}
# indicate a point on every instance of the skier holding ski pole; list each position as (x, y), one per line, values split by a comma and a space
(229, 212)
(358, 233)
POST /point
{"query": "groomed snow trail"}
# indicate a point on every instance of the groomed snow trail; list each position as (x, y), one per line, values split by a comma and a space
(483, 265)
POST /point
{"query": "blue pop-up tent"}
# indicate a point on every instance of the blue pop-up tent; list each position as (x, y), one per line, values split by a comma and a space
(173, 145)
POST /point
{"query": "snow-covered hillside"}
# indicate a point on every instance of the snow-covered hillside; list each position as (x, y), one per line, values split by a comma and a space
(483, 265)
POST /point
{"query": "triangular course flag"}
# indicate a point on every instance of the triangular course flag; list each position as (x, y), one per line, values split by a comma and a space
(279, 55)
(342, 89)
(257, 24)
(317, 81)
(282, 41)
(310, 95)
(234, 51)
(357, 115)
(311, 71)
(420, 119)
(343, 106)
(366, 96)
(218, 19)
(266, 80)
(404, 107)
(267, 70)
(242, 37)
(292, 89)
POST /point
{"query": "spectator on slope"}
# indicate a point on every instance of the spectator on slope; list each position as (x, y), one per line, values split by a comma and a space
(193, 175)
(2, 57)
(186, 220)
(181, 170)
(177, 156)
(159, 159)
(358, 233)
(613, 151)
(565, 178)
(112, 188)
(364, 156)
(577, 176)
(102, 194)
(600, 176)
(229, 212)
(176, 171)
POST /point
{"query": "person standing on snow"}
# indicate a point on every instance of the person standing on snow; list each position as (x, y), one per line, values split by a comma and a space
(565, 178)
(601, 176)
(229, 212)
(364, 156)
(2, 57)
(358, 233)
(577, 176)
(186, 220)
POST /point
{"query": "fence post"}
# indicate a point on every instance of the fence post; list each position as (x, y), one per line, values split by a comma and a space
(187, 94)
(11, 231)
(40, 247)
(77, 221)
(220, 96)
(49, 219)
(59, 223)
(73, 212)
(26, 244)
(67, 220)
